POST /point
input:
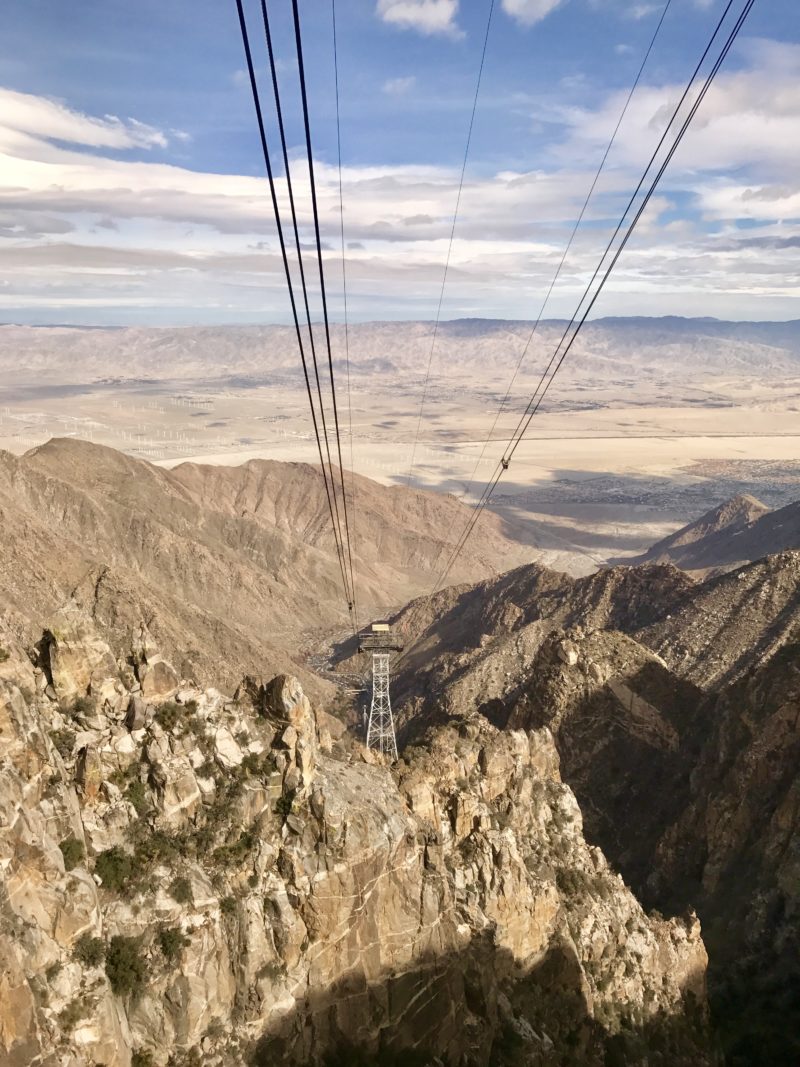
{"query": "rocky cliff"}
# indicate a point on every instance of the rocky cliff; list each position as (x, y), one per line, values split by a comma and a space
(680, 738)
(191, 878)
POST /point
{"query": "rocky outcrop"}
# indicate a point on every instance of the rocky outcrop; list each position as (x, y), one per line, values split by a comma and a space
(198, 880)
(737, 532)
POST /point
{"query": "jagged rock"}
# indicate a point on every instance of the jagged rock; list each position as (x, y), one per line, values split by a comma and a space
(78, 660)
(89, 773)
(136, 716)
(226, 750)
(158, 679)
(403, 902)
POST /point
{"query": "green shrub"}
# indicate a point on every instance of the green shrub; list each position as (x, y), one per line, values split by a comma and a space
(142, 1058)
(137, 794)
(82, 705)
(181, 890)
(115, 868)
(207, 769)
(252, 763)
(90, 951)
(72, 850)
(64, 741)
(169, 715)
(228, 905)
(125, 965)
(172, 942)
(72, 1015)
(234, 854)
(284, 803)
(4, 654)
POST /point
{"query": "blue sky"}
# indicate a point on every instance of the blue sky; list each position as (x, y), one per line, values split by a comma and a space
(131, 184)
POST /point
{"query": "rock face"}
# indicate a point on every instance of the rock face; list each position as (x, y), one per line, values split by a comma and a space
(206, 884)
(678, 736)
(234, 567)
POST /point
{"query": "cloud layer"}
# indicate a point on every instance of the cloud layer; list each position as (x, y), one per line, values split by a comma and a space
(84, 227)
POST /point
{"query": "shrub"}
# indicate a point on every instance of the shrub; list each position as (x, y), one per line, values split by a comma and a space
(125, 965)
(137, 794)
(4, 654)
(115, 867)
(90, 951)
(181, 890)
(234, 854)
(71, 1015)
(252, 763)
(72, 850)
(283, 805)
(272, 970)
(64, 741)
(228, 905)
(172, 942)
(169, 715)
(142, 1058)
(82, 705)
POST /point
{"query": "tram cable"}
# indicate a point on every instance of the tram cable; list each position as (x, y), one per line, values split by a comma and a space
(450, 244)
(289, 284)
(296, 231)
(539, 395)
(344, 301)
(323, 296)
(568, 247)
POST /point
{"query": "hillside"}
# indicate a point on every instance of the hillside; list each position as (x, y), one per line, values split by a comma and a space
(739, 531)
(679, 737)
(234, 568)
(190, 879)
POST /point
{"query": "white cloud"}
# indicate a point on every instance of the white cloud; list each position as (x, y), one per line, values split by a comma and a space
(399, 86)
(80, 228)
(529, 12)
(39, 116)
(424, 16)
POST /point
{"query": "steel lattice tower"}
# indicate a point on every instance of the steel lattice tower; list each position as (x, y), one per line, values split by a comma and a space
(380, 731)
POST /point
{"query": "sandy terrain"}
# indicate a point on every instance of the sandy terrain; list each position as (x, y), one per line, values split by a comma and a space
(615, 460)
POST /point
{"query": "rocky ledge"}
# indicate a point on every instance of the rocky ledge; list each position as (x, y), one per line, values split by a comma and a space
(192, 878)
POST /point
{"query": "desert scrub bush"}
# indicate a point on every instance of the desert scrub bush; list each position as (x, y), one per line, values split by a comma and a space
(180, 889)
(234, 854)
(70, 1016)
(4, 654)
(82, 705)
(271, 971)
(137, 794)
(90, 951)
(169, 715)
(72, 850)
(64, 742)
(172, 941)
(142, 1058)
(284, 803)
(207, 769)
(125, 965)
(115, 868)
(228, 905)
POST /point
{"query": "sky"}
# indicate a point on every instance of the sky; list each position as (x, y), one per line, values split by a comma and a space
(132, 184)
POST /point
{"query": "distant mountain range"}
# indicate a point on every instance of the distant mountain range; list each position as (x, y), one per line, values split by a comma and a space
(476, 347)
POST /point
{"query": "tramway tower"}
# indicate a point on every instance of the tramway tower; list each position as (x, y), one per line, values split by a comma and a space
(381, 642)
